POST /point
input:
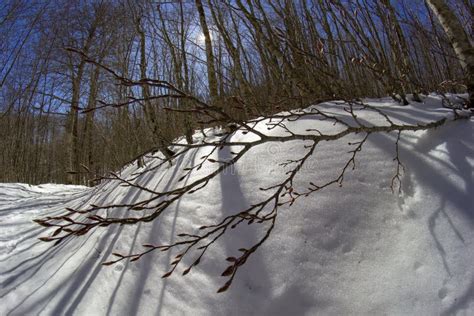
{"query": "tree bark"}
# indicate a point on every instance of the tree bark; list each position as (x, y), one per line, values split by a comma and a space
(459, 40)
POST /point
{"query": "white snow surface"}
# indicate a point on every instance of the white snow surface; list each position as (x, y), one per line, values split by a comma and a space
(358, 249)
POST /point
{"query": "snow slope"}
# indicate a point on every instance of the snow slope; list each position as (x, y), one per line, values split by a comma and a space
(356, 249)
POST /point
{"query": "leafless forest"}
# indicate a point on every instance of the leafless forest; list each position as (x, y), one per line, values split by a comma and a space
(86, 86)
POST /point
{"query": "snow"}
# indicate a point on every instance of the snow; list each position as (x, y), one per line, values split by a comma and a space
(356, 249)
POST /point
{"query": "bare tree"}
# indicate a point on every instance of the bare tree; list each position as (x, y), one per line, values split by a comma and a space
(459, 40)
(61, 112)
(211, 71)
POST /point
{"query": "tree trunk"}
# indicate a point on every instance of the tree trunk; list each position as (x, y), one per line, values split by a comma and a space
(459, 40)
(150, 112)
(211, 71)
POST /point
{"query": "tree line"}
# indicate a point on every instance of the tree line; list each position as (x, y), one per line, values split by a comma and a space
(86, 86)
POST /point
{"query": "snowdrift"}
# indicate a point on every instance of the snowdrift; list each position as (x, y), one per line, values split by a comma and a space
(355, 249)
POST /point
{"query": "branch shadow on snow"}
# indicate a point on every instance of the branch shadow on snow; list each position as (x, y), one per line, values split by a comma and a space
(461, 303)
(132, 196)
(39, 266)
(79, 280)
(32, 263)
(252, 280)
(66, 296)
(450, 193)
(148, 261)
(452, 182)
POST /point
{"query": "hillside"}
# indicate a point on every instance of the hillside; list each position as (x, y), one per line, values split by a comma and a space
(360, 248)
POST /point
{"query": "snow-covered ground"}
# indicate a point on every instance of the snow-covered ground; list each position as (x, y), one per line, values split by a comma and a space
(357, 249)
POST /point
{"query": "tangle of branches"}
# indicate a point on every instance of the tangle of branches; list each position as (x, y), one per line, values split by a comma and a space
(194, 245)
